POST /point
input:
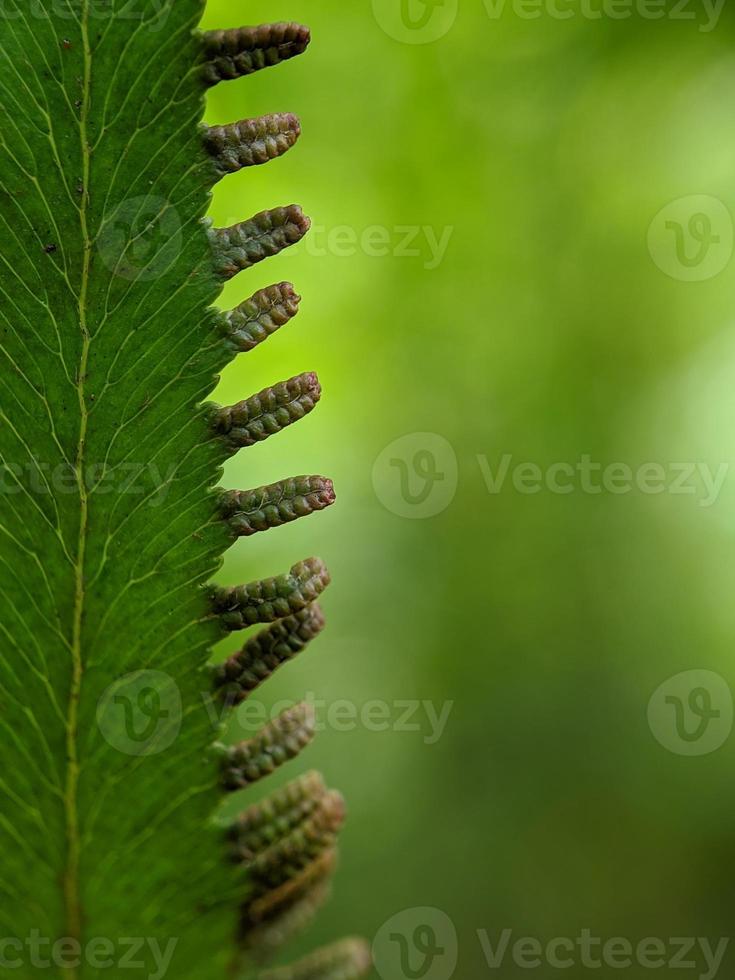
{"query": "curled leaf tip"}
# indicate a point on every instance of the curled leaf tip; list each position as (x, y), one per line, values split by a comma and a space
(264, 938)
(349, 959)
(260, 316)
(265, 823)
(241, 51)
(251, 142)
(264, 908)
(251, 511)
(299, 847)
(281, 740)
(267, 233)
(264, 653)
(267, 600)
(268, 412)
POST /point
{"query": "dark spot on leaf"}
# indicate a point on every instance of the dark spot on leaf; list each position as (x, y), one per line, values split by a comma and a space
(50, 249)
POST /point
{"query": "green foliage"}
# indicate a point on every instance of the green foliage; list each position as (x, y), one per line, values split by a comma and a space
(111, 525)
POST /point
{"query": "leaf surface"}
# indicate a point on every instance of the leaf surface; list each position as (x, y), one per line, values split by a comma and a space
(109, 528)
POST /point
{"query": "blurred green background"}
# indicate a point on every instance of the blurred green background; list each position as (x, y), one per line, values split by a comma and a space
(544, 149)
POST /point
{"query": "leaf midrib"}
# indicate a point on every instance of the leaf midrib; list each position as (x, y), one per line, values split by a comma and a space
(71, 875)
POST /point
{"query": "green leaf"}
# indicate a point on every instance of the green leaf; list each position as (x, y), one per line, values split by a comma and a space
(110, 522)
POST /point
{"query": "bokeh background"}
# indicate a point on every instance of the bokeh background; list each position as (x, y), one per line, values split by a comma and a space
(553, 326)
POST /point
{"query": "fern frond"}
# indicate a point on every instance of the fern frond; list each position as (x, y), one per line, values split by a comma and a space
(250, 511)
(241, 51)
(267, 907)
(281, 740)
(310, 838)
(251, 142)
(267, 600)
(259, 317)
(265, 234)
(288, 844)
(266, 652)
(266, 937)
(263, 415)
(111, 346)
(263, 823)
